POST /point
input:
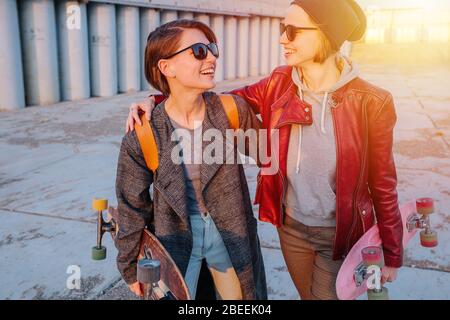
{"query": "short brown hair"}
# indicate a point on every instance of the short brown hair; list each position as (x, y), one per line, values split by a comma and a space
(163, 42)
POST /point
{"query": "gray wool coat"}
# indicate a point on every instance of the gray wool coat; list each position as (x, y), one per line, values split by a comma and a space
(224, 189)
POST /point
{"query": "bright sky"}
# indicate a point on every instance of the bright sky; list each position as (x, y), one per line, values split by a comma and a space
(406, 3)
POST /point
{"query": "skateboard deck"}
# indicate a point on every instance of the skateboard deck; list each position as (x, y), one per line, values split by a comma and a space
(151, 247)
(171, 284)
(346, 284)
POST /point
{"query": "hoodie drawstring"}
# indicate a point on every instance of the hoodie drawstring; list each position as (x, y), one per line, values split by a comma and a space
(324, 109)
(297, 166)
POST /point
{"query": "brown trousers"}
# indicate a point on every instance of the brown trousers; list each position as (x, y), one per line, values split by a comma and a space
(308, 254)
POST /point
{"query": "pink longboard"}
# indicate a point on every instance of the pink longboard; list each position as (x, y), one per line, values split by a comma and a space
(346, 282)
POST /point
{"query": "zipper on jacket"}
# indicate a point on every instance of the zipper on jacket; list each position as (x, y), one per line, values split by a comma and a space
(333, 113)
(359, 181)
(282, 197)
(362, 220)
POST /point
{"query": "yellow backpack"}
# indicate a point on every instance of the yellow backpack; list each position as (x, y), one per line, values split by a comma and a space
(147, 139)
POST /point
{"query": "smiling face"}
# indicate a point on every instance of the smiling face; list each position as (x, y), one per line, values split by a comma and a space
(308, 45)
(187, 71)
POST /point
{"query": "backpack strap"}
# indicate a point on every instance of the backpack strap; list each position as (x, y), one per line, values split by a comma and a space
(231, 110)
(148, 142)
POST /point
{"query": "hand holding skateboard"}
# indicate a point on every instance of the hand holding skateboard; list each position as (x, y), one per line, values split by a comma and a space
(158, 276)
(366, 256)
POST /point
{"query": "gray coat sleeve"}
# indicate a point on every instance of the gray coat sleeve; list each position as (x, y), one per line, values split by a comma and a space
(134, 204)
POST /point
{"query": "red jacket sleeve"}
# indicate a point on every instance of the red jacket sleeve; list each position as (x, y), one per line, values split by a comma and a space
(159, 98)
(383, 183)
(253, 94)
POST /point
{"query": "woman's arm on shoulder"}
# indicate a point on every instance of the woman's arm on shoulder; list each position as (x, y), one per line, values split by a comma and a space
(250, 126)
(253, 94)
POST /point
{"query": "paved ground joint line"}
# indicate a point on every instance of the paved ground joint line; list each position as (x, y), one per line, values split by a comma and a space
(93, 221)
(42, 166)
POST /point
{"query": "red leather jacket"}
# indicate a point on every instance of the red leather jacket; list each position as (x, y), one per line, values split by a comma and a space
(364, 119)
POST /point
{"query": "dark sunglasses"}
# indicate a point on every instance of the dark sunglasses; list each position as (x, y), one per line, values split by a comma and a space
(200, 50)
(291, 31)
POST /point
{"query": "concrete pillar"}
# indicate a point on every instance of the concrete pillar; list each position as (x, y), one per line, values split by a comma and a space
(186, 15)
(274, 43)
(73, 50)
(230, 47)
(128, 44)
(203, 17)
(150, 20)
(40, 53)
(265, 46)
(217, 25)
(103, 49)
(12, 93)
(243, 52)
(255, 44)
(168, 15)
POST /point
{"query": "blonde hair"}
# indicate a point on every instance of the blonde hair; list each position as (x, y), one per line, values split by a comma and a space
(325, 49)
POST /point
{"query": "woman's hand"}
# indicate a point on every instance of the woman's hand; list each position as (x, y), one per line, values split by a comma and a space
(136, 289)
(133, 116)
(388, 274)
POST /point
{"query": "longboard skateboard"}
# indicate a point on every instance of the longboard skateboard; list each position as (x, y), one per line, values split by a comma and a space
(156, 270)
(352, 278)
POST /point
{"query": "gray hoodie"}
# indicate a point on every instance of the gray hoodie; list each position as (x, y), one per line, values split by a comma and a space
(311, 165)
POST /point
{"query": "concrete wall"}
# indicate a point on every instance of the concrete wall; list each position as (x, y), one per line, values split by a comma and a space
(67, 50)
(62, 50)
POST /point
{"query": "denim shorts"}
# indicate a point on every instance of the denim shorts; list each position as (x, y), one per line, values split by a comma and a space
(208, 245)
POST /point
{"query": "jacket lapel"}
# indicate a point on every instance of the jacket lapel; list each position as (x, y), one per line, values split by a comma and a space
(169, 175)
(215, 118)
(291, 109)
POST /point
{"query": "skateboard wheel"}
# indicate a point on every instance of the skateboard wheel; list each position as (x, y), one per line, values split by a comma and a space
(98, 253)
(428, 240)
(148, 271)
(99, 204)
(425, 205)
(372, 256)
(381, 295)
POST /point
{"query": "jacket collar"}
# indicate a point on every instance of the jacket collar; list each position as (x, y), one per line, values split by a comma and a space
(294, 109)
